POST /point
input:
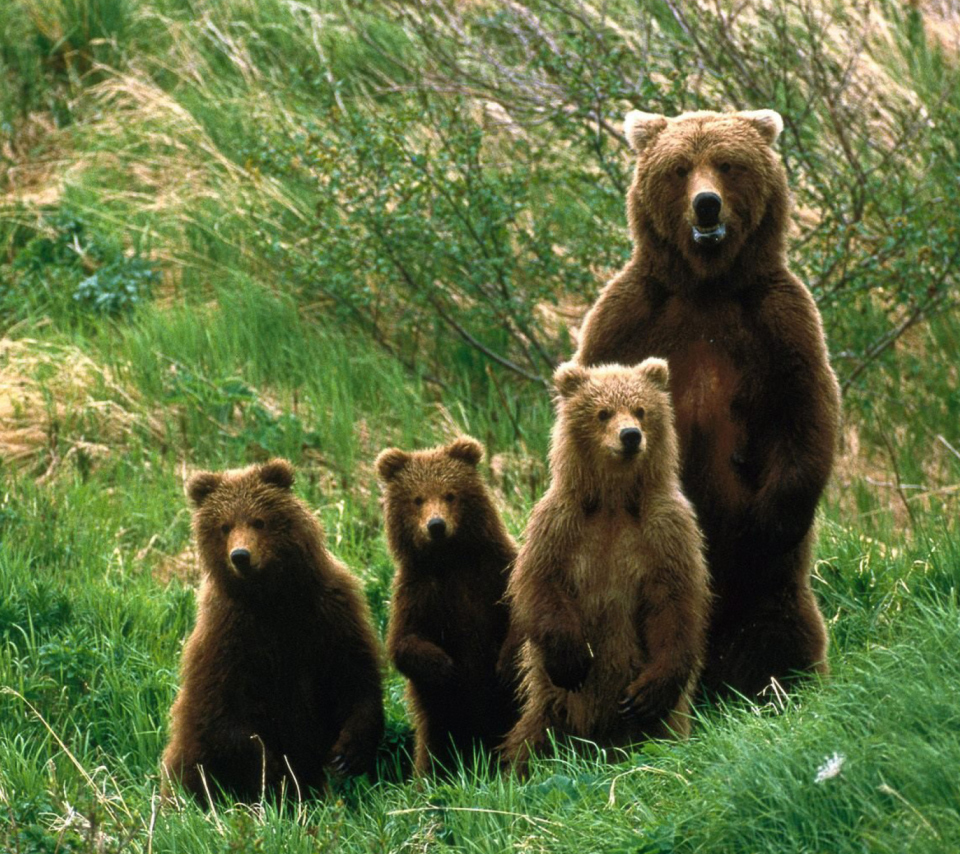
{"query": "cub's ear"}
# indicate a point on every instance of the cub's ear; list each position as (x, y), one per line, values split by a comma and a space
(201, 484)
(768, 122)
(466, 449)
(656, 370)
(277, 472)
(641, 128)
(390, 462)
(568, 378)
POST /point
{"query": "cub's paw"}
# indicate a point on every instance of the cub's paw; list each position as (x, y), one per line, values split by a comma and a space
(567, 663)
(648, 698)
(349, 756)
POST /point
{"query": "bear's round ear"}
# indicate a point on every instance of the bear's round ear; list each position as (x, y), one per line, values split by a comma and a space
(641, 128)
(277, 472)
(768, 122)
(568, 378)
(390, 462)
(201, 484)
(656, 370)
(466, 449)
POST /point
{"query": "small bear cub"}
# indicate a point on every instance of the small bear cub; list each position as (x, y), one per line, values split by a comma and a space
(610, 587)
(280, 678)
(448, 621)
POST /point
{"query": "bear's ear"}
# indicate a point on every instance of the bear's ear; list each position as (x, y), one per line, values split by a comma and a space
(768, 122)
(641, 129)
(201, 484)
(656, 370)
(568, 378)
(390, 462)
(277, 472)
(466, 449)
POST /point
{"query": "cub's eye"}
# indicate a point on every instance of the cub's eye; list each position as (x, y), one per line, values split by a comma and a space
(605, 415)
(418, 501)
(258, 524)
(682, 171)
(449, 497)
(225, 528)
(724, 167)
(639, 412)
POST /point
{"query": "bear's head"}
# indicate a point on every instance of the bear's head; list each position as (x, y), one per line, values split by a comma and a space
(248, 522)
(708, 187)
(614, 420)
(434, 496)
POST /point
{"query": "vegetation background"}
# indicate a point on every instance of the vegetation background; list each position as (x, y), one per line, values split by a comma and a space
(232, 229)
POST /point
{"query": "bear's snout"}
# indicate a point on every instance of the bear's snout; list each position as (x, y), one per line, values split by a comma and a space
(630, 438)
(706, 208)
(240, 558)
(436, 527)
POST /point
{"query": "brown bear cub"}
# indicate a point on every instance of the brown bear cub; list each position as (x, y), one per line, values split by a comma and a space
(281, 675)
(610, 587)
(757, 404)
(448, 620)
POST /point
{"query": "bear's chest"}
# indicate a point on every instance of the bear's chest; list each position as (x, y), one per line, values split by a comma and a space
(608, 566)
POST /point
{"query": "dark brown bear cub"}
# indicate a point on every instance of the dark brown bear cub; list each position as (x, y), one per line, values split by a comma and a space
(281, 675)
(448, 621)
(610, 587)
(757, 404)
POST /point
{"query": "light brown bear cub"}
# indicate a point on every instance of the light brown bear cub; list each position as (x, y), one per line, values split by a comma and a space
(448, 618)
(757, 404)
(281, 674)
(610, 586)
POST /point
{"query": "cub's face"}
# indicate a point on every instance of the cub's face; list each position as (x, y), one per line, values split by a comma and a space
(243, 518)
(615, 416)
(427, 492)
(704, 181)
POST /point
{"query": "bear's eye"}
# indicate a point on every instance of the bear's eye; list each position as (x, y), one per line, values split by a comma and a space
(682, 171)
(258, 524)
(449, 497)
(418, 501)
(605, 415)
(639, 412)
(724, 167)
(225, 528)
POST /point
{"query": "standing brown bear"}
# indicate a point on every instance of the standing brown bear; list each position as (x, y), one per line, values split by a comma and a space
(281, 675)
(757, 404)
(610, 586)
(448, 618)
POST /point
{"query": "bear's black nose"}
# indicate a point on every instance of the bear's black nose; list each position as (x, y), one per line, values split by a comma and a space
(240, 558)
(436, 527)
(630, 439)
(707, 206)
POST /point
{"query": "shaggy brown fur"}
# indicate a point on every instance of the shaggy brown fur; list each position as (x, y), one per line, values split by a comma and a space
(757, 404)
(448, 620)
(610, 586)
(281, 675)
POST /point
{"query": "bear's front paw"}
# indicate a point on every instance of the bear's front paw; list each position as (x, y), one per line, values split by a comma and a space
(567, 663)
(648, 698)
(348, 757)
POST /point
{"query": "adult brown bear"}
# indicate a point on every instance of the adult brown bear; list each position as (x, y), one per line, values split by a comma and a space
(757, 404)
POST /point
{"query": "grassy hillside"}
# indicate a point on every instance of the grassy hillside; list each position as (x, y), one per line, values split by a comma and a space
(242, 228)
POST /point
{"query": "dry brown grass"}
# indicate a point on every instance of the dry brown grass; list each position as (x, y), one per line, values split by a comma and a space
(56, 403)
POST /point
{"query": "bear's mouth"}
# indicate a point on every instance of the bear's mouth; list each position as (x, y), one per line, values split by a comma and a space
(712, 236)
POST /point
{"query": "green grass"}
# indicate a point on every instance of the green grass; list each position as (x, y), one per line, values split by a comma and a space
(182, 287)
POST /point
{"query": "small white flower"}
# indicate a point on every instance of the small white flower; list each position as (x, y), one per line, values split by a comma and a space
(830, 768)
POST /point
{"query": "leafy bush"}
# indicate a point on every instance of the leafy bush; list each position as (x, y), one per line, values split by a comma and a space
(61, 267)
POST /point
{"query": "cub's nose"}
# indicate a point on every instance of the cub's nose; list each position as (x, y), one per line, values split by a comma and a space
(436, 527)
(630, 439)
(240, 558)
(706, 207)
